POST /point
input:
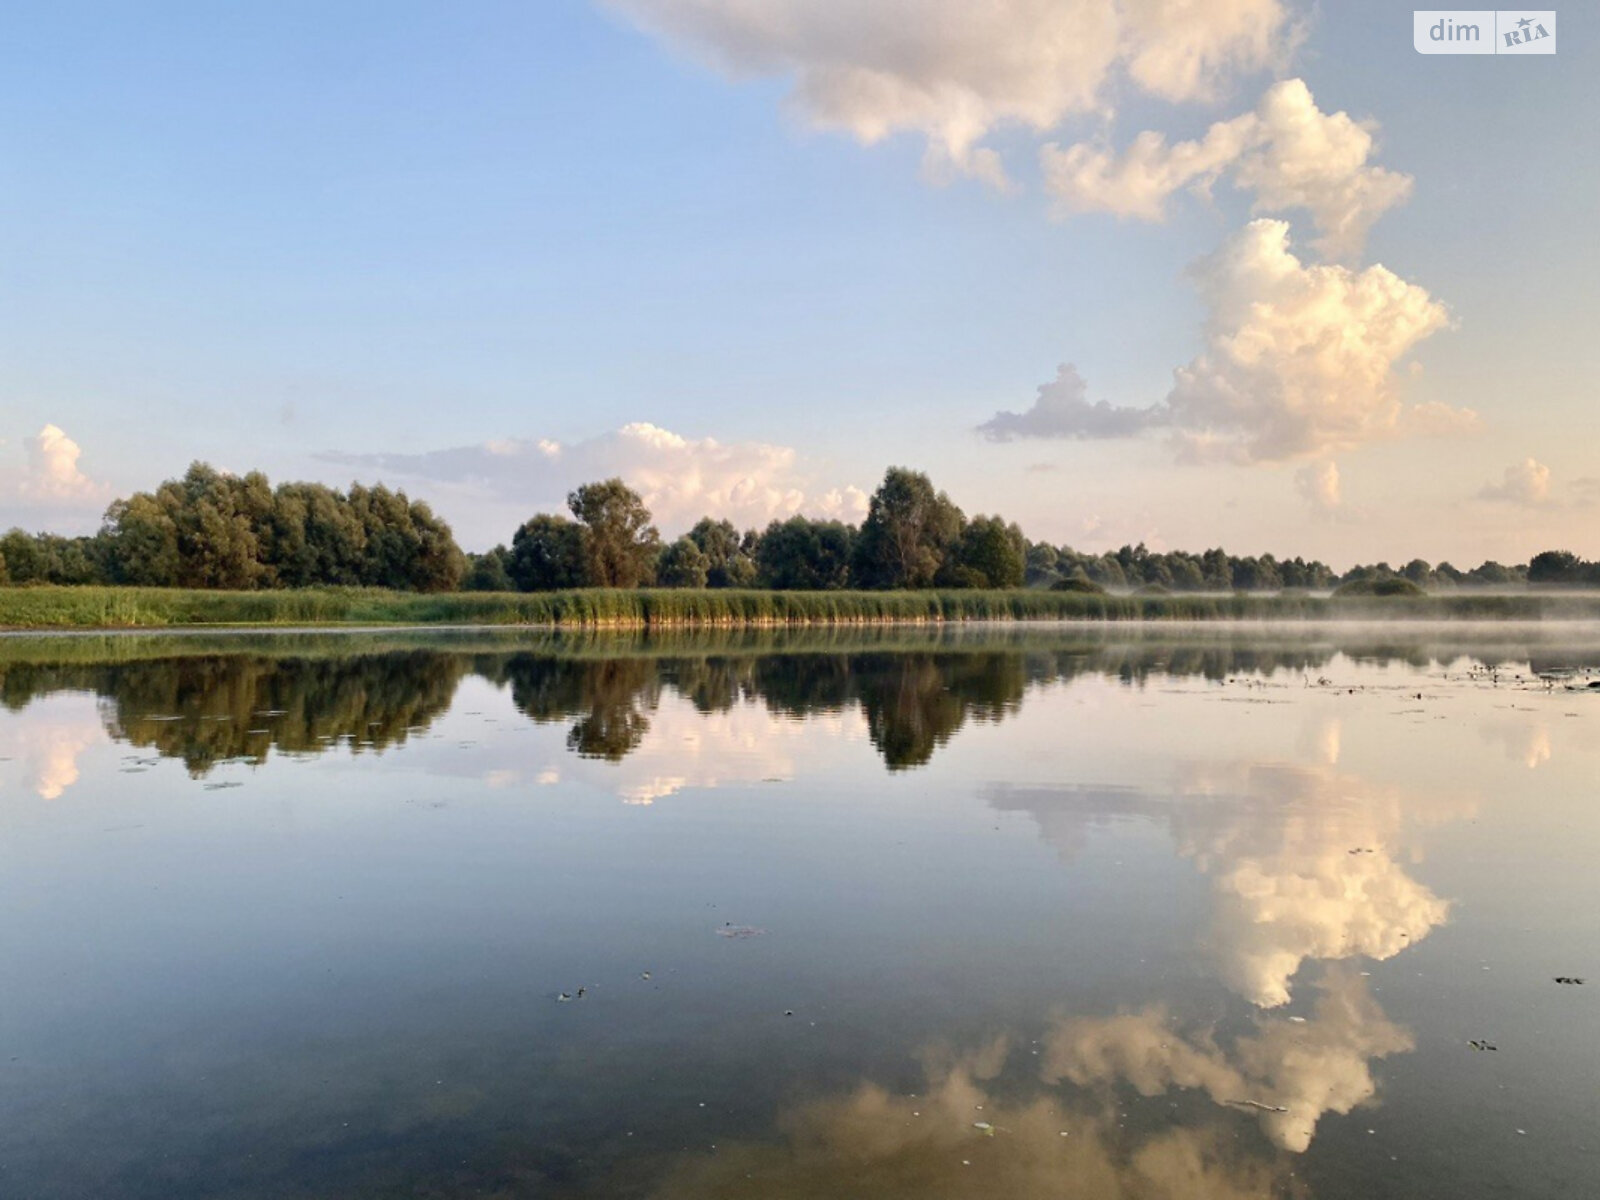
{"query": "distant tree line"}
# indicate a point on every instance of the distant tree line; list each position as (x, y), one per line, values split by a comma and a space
(210, 529)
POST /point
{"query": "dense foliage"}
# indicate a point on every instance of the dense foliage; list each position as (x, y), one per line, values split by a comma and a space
(214, 530)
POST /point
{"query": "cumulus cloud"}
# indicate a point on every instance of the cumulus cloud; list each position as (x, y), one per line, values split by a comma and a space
(1299, 360)
(1062, 410)
(681, 479)
(1526, 482)
(953, 72)
(52, 472)
(1288, 153)
(1318, 484)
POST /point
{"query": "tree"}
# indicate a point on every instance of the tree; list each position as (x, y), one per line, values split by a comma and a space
(1418, 571)
(144, 541)
(1555, 566)
(804, 555)
(988, 554)
(619, 542)
(683, 565)
(907, 533)
(487, 572)
(729, 564)
(215, 530)
(546, 555)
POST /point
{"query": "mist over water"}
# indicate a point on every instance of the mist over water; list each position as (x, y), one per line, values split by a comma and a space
(1025, 911)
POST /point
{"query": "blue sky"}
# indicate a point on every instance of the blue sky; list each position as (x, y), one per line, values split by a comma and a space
(415, 241)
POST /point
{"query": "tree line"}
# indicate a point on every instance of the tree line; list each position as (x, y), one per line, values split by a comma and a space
(211, 529)
(215, 530)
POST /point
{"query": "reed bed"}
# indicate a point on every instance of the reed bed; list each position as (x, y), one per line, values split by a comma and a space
(92, 607)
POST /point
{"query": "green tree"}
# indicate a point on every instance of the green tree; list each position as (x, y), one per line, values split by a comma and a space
(804, 555)
(908, 531)
(1555, 566)
(619, 542)
(728, 561)
(487, 572)
(988, 554)
(144, 541)
(683, 565)
(547, 555)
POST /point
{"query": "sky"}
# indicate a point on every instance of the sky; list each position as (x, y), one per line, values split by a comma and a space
(1249, 273)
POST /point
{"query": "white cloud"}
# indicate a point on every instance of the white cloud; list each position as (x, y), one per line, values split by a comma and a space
(1288, 152)
(681, 479)
(953, 71)
(52, 472)
(1527, 482)
(1299, 360)
(1318, 484)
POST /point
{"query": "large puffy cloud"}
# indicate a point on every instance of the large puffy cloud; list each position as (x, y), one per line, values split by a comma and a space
(1526, 482)
(1320, 487)
(52, 473)
(1288, 152)
(681, 479)
(953, 71)
(1299, 361)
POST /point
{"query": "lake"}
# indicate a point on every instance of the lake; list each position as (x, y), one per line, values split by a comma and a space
(1010, 912)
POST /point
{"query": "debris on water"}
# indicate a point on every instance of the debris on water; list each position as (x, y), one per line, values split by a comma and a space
(788, 1012)
(563, 997)
(984, 1128)
(1480, 1044)
(1277, 1108)
(217, 787)
(730, 930)
(1573, 979)
(644, 975)
(1298, 1020)
(581, 991)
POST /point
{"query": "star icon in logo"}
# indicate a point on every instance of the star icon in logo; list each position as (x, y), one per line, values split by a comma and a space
(1524, 23)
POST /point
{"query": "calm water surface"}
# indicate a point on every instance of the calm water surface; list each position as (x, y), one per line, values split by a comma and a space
(974, 914)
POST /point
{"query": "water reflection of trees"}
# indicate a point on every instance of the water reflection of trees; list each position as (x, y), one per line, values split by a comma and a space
(211, 707)
(608, 700)
(210, 710)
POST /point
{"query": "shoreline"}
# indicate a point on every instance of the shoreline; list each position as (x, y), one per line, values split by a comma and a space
(101, 610)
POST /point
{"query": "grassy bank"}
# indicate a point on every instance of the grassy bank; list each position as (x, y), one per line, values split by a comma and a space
(159, 608)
